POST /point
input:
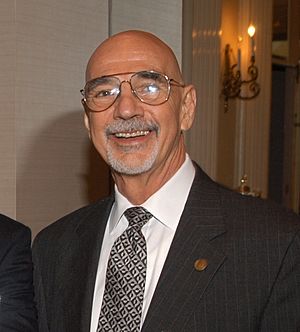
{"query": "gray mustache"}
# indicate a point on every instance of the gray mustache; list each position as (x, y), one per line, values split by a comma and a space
(133, 124)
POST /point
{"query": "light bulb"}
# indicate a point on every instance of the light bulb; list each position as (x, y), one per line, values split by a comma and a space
(251, 30)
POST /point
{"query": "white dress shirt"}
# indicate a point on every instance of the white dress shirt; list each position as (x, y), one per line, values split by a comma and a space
(166, 206)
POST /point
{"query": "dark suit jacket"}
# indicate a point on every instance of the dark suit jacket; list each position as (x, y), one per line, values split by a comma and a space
(17, 309)
(251, 282)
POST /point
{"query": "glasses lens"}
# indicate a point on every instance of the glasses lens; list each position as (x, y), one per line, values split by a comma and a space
(102, 92)
(150, 87)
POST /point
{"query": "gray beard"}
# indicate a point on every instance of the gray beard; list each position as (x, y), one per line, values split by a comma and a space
(127, 168)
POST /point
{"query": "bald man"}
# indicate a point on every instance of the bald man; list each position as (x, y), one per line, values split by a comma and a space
(169, 250)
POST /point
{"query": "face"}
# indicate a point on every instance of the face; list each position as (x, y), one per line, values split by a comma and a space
(132, 137)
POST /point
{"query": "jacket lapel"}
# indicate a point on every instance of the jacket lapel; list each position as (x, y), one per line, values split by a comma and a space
(79, 272)
(200, 225)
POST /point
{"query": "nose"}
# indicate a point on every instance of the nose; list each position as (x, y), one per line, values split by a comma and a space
(127, 104)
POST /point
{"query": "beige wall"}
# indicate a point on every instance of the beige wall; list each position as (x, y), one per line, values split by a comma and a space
(45, 153)
(163, 19)
(202, 68)
(7, 111)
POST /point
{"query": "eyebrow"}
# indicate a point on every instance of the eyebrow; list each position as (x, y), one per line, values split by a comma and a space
(126, 73)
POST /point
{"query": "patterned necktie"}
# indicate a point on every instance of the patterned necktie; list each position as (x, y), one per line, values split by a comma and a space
(125, 277)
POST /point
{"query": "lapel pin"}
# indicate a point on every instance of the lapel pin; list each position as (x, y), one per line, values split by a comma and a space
(200, 264)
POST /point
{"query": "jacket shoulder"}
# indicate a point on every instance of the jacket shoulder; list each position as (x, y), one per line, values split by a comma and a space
(259, 211)
(10, 227)
(70, 222)
(245, 212)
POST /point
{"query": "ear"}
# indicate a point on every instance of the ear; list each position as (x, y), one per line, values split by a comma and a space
(188, 107)
(87, 123)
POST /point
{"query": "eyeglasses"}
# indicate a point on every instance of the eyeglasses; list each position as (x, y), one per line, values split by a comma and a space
(149, 87)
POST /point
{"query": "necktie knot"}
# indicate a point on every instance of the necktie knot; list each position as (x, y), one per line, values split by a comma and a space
(137, 216)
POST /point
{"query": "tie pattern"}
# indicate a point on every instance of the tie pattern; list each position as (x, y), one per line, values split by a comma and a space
(125, 277)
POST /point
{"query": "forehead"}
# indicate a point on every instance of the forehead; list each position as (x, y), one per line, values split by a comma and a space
(131, 53)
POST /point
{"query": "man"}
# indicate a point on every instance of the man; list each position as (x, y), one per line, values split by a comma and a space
(196, 256)
(17, 309)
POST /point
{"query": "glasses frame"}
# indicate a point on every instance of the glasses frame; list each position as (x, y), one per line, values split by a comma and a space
(170, 82)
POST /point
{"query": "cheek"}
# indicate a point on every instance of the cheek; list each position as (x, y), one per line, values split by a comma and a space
(97, 124)
(170, 118)
(97, 133)
(170, 129)
(96, 129)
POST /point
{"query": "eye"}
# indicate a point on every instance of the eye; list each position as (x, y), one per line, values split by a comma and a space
(152, 88)
(103, 92)
(148, 88)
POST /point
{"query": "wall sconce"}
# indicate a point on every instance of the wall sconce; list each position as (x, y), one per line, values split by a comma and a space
(234, 86)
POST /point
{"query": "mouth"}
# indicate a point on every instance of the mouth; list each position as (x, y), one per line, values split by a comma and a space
(132, 134)
(131, 131)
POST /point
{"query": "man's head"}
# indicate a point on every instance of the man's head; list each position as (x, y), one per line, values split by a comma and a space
(138, 132)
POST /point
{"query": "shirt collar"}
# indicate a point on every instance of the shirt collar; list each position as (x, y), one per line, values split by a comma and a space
(173, 194)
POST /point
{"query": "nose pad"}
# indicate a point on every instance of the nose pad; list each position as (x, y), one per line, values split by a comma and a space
(121, 86)
(127, 104)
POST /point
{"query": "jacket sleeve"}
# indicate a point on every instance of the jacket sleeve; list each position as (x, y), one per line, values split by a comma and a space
(17, 308)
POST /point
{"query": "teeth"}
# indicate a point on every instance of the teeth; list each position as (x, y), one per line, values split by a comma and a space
(132, 134)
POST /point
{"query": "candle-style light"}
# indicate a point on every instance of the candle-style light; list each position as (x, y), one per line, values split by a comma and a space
(251, 33)
(239, 53)
(234, 85)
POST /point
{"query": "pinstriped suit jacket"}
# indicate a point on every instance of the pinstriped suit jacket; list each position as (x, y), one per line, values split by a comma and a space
(251, 282)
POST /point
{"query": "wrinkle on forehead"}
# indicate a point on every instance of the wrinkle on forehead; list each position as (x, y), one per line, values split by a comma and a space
(132, 51)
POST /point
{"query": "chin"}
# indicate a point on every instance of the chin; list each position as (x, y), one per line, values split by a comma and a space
(130, 168)
(132, 163)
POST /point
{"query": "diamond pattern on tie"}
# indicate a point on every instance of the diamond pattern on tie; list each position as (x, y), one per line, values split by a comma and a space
(125, 277)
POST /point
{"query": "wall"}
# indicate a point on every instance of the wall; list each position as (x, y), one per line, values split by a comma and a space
(201, 55)
(226, 139)
(7, 112)
(228, 145)
(253, 116)
(163, 19)
(243, 136)
(45, 152)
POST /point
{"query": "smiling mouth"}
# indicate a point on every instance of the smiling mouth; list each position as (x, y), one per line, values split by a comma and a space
(133, 134)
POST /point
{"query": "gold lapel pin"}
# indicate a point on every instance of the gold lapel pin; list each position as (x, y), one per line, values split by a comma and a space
(201, 264)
